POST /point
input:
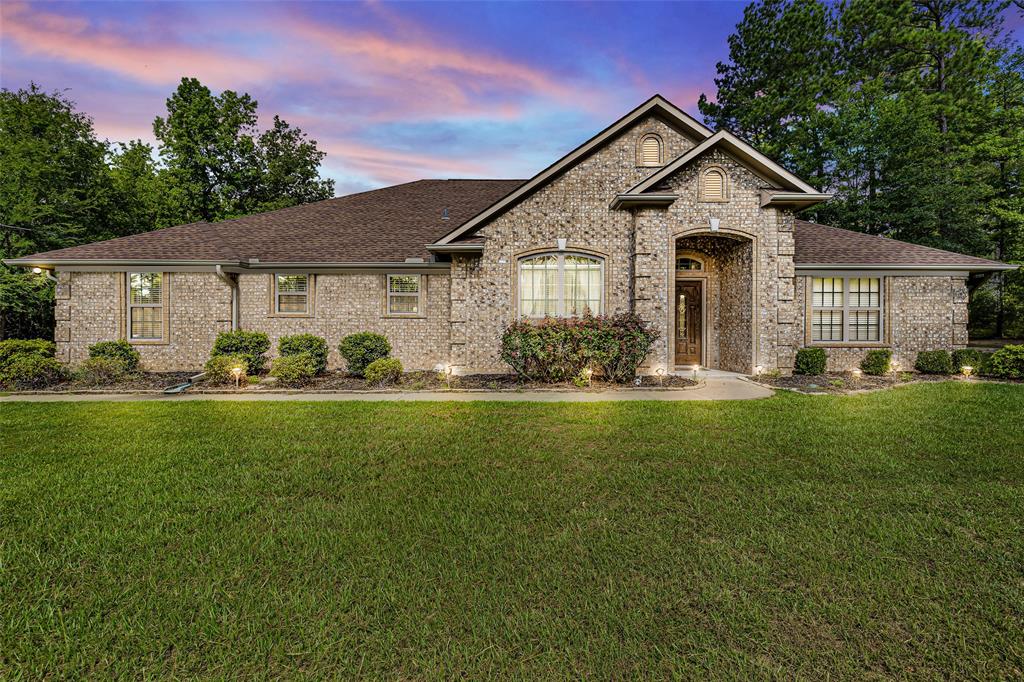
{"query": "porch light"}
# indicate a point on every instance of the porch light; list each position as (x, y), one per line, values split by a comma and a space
(967, 370)
(714, 223)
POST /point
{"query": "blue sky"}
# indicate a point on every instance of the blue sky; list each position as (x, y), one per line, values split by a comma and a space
(391, 91)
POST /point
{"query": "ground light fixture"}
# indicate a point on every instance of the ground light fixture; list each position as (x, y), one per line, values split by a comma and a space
(967, 370)
(237, 373)
(37, 271)
(448, 369)
(661, 375)
(758, 370)
(588, 375)
(857, 373)
(696, 372)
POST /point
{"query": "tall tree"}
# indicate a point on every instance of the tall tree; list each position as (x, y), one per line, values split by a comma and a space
(219, 164)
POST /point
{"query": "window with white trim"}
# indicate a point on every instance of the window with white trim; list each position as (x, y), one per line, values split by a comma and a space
(846, 309)
(561, 285)
(404, 293)
(291, 294)
(145, 306)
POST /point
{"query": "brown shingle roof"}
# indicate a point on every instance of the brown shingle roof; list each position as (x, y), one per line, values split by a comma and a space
(823, 245)
(394, 223)
(385, 225)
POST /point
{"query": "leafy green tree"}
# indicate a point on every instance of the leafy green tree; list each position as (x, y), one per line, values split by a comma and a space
(220, 166)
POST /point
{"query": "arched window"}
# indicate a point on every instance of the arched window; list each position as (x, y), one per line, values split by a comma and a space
(684, 263)
(649, 152)
(561, 285)
(713, 185)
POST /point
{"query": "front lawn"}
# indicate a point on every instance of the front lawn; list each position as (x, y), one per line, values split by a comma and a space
(870, 535)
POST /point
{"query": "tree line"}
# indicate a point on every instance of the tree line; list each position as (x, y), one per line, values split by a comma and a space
(910, 111)
(61, 186)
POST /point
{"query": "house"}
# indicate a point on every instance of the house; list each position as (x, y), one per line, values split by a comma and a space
(692, 229)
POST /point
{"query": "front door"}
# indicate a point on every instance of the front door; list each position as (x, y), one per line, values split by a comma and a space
(688, 322)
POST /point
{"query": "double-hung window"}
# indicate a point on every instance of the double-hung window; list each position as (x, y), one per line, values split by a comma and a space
(145, 306)
(291, 294)
(561, 285)
(846, 310)
(404, 295)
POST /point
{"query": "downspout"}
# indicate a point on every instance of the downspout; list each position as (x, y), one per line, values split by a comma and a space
(233, 283)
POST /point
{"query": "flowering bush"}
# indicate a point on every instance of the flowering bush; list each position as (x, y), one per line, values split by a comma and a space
(560, 349)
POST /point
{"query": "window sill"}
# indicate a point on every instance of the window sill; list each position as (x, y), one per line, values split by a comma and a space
(148, 342)
(399, 316)
(287, 315)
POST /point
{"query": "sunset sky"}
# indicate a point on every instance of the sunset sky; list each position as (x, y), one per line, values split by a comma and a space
(392, 92)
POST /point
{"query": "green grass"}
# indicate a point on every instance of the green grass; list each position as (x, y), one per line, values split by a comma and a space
(873, 535)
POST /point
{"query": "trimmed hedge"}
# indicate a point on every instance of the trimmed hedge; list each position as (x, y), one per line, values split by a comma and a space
(119, 351)
(218, 369)
(312, 345)
(383, 371)
(101, 370)
(250, 346)
(877, 362)
(934, 362)
(11, 348)
(26, 371)
(972, 357)
(559, 349)
(295, 369)
(362, 348)
(1008, 362)
(810, 361)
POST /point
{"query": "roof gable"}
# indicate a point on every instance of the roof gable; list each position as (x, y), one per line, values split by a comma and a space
(738, 149)
(656, 105)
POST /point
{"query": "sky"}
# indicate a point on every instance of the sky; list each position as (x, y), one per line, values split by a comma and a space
(391, 91)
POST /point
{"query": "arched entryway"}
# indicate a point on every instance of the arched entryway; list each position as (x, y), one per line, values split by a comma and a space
(712, 312)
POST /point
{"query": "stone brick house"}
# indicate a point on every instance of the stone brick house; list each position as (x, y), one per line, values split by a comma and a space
(692, 229)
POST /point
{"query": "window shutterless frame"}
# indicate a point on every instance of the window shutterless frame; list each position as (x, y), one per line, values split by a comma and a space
(560, 284)
(403, 295)
(846, 310)
(291, 295)
(145, 307)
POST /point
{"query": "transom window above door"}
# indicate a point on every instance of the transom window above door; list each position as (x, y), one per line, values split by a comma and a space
(561, 285)
(684, 263)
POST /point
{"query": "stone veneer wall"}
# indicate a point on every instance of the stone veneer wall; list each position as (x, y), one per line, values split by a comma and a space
(348, 303)
(89, 309)
(574, 207)
(922, 313)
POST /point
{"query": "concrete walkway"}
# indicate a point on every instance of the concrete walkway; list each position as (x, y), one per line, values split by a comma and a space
(716, 386)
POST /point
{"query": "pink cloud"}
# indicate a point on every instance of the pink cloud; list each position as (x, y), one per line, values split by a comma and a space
(74, 40)
(392, 166)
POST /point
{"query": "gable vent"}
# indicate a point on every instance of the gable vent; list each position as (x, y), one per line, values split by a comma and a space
(650, 151)
(713, 187)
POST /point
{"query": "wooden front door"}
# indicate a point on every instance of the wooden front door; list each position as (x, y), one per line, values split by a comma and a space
(688, 322)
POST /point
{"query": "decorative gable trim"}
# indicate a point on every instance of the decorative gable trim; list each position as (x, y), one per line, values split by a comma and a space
(656, 104)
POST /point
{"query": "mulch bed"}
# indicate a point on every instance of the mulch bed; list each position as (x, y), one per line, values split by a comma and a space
(846, 382)
(339, 381)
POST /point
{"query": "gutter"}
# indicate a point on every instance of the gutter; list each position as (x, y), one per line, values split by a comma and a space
(233, 283)
(983, 267)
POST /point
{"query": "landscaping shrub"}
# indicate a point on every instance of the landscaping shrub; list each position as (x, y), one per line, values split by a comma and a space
(361, 349)
(876, 362)
(101, 370)
(383, 371)
(934, 362)
(810, 361)
(31, 370)
(972, 357)
(310, 344)
(119, 350)
(250, 346)
(218, 369)
(559, 349)
(12, 348)
(295, 368)
(1008, 362)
